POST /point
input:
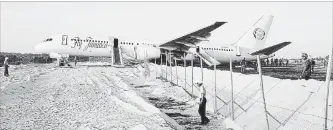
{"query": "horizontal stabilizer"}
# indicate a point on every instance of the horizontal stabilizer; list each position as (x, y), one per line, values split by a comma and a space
(271, 49)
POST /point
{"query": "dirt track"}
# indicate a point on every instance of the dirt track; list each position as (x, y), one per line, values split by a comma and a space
(71, 98)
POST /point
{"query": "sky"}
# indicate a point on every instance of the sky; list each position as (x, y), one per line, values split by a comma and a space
(308, 25)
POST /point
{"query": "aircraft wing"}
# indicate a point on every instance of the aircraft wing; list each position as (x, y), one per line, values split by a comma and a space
(271, 49)
(190, 40)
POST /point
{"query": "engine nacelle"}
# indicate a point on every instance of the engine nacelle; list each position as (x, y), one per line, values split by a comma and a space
(146, 52)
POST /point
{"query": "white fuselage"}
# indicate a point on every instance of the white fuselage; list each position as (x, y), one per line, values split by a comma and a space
(224, 53)
(87, 46)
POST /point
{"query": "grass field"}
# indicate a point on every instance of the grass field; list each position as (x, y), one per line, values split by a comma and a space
(292, 72)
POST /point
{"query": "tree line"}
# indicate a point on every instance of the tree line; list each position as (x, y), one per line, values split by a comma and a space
(26, 58)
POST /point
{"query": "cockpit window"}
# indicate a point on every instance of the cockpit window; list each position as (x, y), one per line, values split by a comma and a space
(49, 39)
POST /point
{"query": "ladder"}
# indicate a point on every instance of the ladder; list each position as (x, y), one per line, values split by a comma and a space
(116, 53)
(205, 56)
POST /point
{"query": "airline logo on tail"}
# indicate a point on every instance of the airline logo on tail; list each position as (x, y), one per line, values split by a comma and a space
(259, 34)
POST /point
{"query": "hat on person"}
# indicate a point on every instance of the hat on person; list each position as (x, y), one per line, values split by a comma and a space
(304, 55)
(199, 82)
(6, 58)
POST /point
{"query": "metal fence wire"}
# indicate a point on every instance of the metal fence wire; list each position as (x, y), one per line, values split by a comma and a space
(249, 109)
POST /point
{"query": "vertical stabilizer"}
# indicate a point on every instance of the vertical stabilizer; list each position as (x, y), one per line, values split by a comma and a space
(256, 37)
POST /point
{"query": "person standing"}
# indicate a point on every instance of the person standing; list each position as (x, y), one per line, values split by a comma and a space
(276, 62)
(243, 65)
(306, 72)
(75, 60)
(313, 63)
(202, 104)
(5, 63)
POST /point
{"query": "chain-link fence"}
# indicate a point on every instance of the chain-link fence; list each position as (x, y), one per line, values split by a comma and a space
(290, 105)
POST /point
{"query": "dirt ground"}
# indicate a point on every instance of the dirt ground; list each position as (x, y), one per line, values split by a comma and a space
(83, 97)
(175, 102)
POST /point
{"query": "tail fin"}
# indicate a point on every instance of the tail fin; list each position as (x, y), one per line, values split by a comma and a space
(256, 37)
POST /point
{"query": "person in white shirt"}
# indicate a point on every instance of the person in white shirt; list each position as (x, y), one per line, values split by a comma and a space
(202, 104)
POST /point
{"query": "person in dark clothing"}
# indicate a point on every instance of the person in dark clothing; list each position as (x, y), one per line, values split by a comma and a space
(287, 62)
(202, 104)
(5, 63)
(306, 72)
(313, 63)
(276, 62)
(280, 62)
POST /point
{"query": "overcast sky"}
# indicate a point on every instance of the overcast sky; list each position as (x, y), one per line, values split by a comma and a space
(308, 25)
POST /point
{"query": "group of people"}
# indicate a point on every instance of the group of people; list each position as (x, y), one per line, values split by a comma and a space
(276, 62)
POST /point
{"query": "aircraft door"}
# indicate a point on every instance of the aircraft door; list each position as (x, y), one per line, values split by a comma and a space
(198, 49)
(64, 40)
(238, 52)
(115, 43)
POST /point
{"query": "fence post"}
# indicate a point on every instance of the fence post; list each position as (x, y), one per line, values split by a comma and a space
(262, 88)
(170, 60)
(176, 71)
(328, 80)
(201, 69)
(215, 97)
(185, 69)
(161, 66)
(232, 91)
(166, 66)
(192, 72)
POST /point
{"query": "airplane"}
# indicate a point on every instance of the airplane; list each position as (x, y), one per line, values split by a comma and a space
(132, 51)
(248, 46)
